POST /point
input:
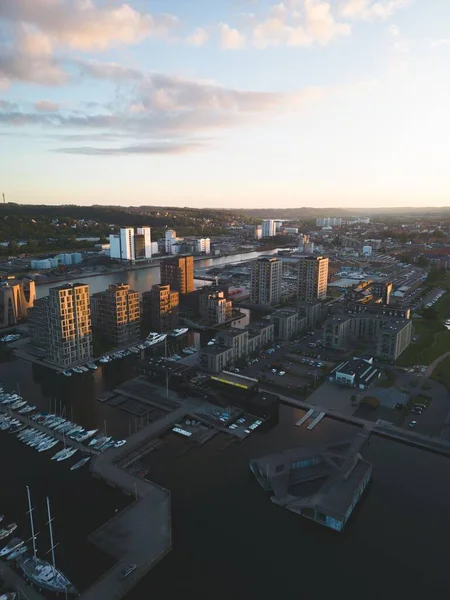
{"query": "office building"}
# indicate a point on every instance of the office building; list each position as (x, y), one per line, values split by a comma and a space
(312, 278)
(160, 307)
(116, 314)
(61, 324)
(15, 300)
(269, 228)
(265, 281)
(131, 245)
(178, 272)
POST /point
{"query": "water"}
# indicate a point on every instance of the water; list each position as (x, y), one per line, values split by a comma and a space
(229, 540)
(143, 279)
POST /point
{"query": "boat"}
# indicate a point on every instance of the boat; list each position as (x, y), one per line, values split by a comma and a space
(106, 446)
(18, 404)
(67, 373)
(80, 463)
(4, 533)
(77, 370)
(92, 366)
(27, 409)
(85, 436)
(179, 332)
(48, 446)
(95, 441)
(155, 338)
(83, 368)
(104, 359)
(39, 571)
(8, 596)
(67, 454)
(13, 545)
(16, 553)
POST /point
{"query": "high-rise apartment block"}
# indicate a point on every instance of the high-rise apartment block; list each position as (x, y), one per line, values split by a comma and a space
(116, 314)
(312, 278)
(160, 306)
(178, 272)
(214, 307)
(258, 232)
(269, 228)
(61, 323)
(265, 281)
(329, 222)
(170, 237)
(202, 245)
(15, 300)
(131, 245)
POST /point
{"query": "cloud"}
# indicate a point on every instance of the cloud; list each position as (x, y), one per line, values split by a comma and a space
(151, 148)
(371, 9)
(85, 24)
(46, 106)
(441, 42)
(301, 23)
(394, 30)
(231, 39)
(199, 37)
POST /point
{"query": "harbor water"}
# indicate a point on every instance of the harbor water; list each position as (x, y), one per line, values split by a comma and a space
(229, 540)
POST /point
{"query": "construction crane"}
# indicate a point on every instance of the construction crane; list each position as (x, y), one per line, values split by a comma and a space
(4, 200)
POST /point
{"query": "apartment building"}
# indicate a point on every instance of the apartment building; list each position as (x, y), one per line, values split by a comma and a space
(214, 307)
(160, 307)
(265, 281)
(178, 272)
(16, 298)
(61, 324)
(312, 278)
(131, 245)
(116, 313)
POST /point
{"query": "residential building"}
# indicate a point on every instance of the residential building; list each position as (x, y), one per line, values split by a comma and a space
(258, 232)
(178, 272)
(215, 358)
(214, 307)
(116, 314)
(357, 372)
(269, 228)
(234, 338)
(260, 335)
(202, 246)
(383, 290)
(16, 298)
(329, 222)
(61, 324)
(312, 278)
(160, 307)
(131, 245)
(313, 311)
(170, 237)
(286, 324)
(265, 281)
(336, 333)
(393, 339)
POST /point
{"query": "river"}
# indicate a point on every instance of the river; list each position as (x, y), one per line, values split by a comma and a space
(143, 279)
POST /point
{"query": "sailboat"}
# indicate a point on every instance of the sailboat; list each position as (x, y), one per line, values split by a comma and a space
(39, 571)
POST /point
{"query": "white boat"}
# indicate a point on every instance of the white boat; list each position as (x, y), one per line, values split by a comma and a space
(67, 373)
(27, 409)
(155, 338)
(92, 366)
(18, 404)
(179, 332)
(83, 368)
(104, 359)
(48, 446)
(100, 442)
(7, 531)
(80, 463)
(86, 436)
(77, 370)
(16, 553)
(8, 596)
(70, 452)
(13, 545)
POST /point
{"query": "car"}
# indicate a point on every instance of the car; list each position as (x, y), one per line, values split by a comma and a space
(422, 406)
(281, 373)
(412, 424)
(416, 410)
(128, 570)
(247, 431)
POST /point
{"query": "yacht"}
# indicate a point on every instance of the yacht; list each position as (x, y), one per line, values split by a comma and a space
(80, 463)
(77, 370)
(16, 553)
(104, 359)
(18, 404)
(95, 441)
(39, 571)
(179, 332)
(8, 596)
(86, 435)
(48, 446)
(27, 409)
(155, 338)
(4, 533)
(67, 454)
(13, 545)
(67, 373)
(83, 368)
(92, 366)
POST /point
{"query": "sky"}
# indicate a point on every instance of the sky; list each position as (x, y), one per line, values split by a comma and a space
(225, 103)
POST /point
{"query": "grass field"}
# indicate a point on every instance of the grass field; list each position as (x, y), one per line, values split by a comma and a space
(433, 340)
(442, 372)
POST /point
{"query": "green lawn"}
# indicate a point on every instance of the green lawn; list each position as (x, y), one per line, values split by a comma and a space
(442, 372)
(433, 340)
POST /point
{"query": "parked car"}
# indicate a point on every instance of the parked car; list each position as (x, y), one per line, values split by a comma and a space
(412, 424)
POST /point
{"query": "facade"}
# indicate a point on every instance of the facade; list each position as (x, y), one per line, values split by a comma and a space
(215, 358)
(389, 335)
(329, 222)
(116, 314)
(61, 324)
(160, 307)
(265, 281)
(286, 324)
(214, 307)
(312, 278)
(170, 236)
(131, 245)
(269, 228)
(383, 290)
(202, 246)
(234, 338)
(313, 311)
(178, 272)
(258, 232)
(260, 335)
(15, 301)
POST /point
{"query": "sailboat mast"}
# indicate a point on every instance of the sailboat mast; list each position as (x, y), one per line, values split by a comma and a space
(30, 512)
(51, 531)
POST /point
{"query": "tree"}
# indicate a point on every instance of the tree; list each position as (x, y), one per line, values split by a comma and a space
(430, 313)
(423, 261)
(13, 248)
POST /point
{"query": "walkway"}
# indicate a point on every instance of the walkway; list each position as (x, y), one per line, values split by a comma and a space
(434, 364)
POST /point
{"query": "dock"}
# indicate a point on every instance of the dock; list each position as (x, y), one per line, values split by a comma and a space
(316, 421)
(305, 417)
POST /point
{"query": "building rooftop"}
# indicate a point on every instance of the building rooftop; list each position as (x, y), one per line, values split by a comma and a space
(234, 379)
(232, 332)
(213, 350)
(362, 368)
